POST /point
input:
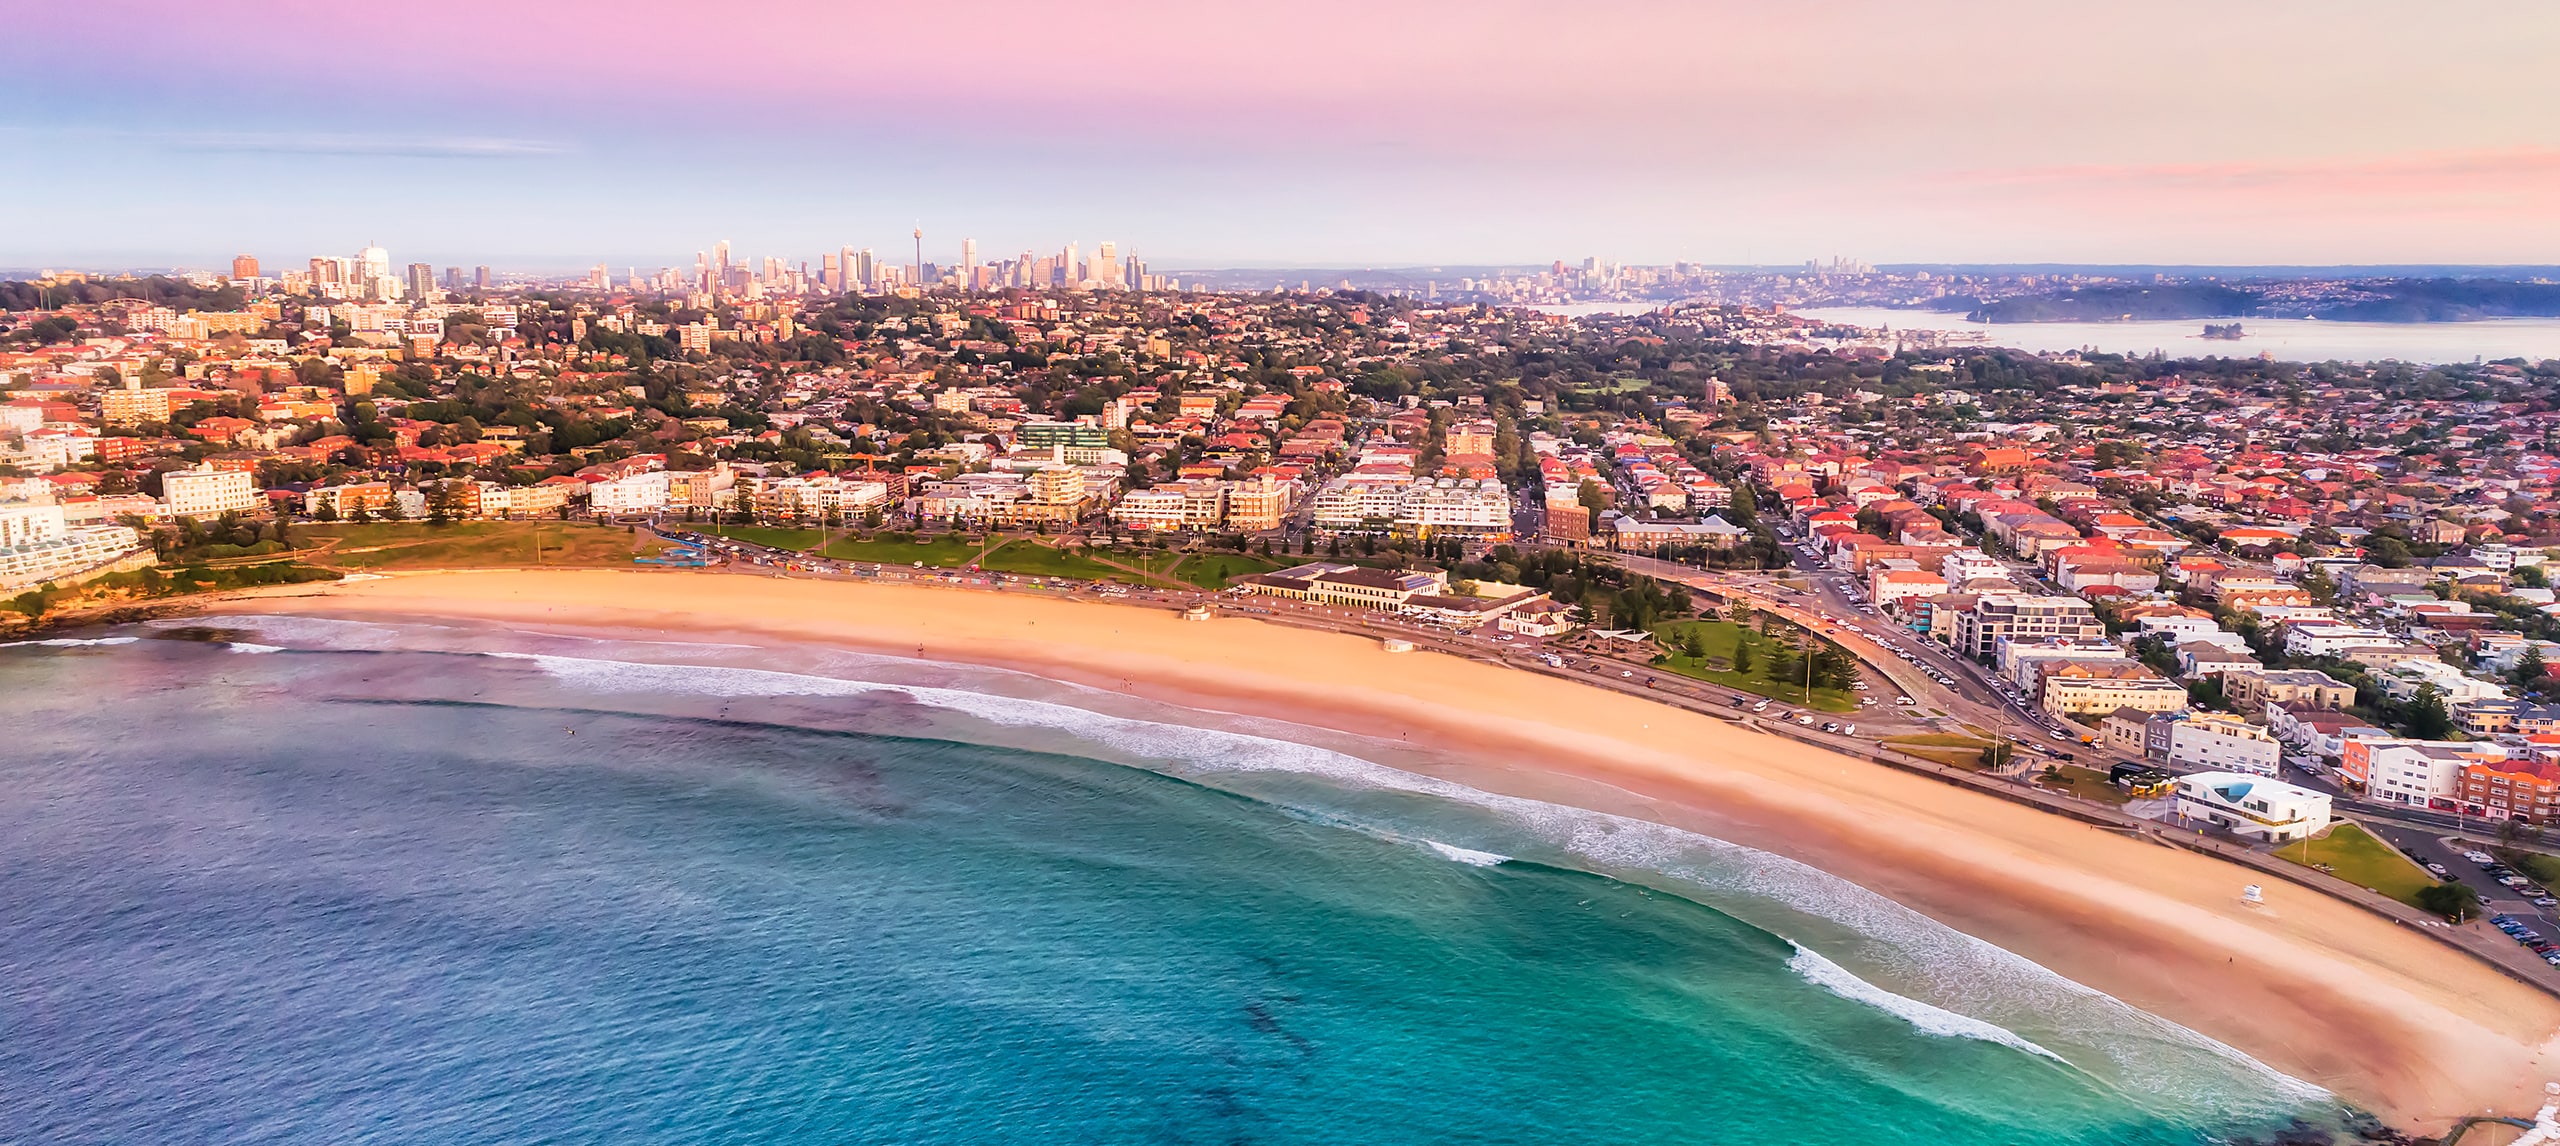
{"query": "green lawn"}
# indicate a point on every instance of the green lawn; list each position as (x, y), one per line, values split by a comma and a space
(1036, 560)
(1156, 562)
(1216, 570)
(2543, 869)
(2356, 857)
(2086, 783)
(1718, 640)
(474, 544)
(942, 552)
(795, 540)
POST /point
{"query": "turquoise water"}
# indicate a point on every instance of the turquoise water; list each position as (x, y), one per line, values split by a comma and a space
(376, 890)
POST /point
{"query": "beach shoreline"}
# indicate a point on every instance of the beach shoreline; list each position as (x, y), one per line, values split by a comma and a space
(2389, 1019)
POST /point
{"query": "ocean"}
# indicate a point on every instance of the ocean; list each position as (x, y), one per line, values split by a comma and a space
(298, 881)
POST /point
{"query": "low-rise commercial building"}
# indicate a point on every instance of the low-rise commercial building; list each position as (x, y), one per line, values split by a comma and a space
(2253, 806)
(1349, 585)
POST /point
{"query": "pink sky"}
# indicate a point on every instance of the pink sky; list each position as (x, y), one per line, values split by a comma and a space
(2164, 131)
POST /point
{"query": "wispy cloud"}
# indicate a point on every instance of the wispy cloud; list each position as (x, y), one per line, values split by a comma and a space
(366, 145)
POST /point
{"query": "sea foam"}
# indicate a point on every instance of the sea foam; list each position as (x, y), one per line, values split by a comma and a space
(68, 642)
(1840, 981)
(1467, 856)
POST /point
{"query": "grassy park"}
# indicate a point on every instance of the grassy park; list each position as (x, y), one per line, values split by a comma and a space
(2086, 783)
(1742, 658)
(470, 544)
(2352, 854)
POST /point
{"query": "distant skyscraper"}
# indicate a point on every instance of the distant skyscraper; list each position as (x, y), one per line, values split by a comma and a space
(968, 264)
(480, 278)
(866, 269)
(422, 281)
(601, 278)
(920, 257)
(1069, 274)
(453, 280)
(370, 276)
(720, 260)
(845, 280)
(244, 266)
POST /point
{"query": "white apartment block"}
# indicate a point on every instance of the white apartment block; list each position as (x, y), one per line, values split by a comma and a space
(208, 492)
(2213, 741)
(2324, 640)
(1423, 506)
(631, 493)
(36, 545)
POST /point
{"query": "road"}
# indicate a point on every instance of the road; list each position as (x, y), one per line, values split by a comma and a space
(1823, 607)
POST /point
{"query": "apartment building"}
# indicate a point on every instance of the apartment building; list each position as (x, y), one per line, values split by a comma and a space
(2253, 689)
(2523, 789)
(1996, 617)
(37, 545)
(2414, 772)
(2222, 742)
(208, 492)
(2079, 687)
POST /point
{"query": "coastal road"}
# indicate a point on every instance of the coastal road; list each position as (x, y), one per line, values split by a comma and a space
(1821, 607)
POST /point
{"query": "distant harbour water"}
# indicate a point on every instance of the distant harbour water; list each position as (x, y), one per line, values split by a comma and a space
(366, 883)
(2288, 339)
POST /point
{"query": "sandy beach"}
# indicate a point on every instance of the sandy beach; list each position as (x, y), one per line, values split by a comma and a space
(2313, 986)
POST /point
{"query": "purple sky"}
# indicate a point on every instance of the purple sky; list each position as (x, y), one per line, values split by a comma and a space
(563, 132)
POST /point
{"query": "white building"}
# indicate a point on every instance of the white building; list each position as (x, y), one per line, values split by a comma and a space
(2408, 771)
(2253, 805)
(2328, 640)
(2220, 742)
(2182, 628)
(36, 545)
(630, 493)
(1963, 565)
(1157, 510)
(1422, 507)
(2402, 681)
(208, 492)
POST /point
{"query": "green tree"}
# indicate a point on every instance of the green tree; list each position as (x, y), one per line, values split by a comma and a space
(2450, 900)
(2529, 670)
(2427, 717)
(1742, 653)
(1783, 667)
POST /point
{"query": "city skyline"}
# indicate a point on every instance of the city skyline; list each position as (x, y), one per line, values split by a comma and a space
(2179, 133)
